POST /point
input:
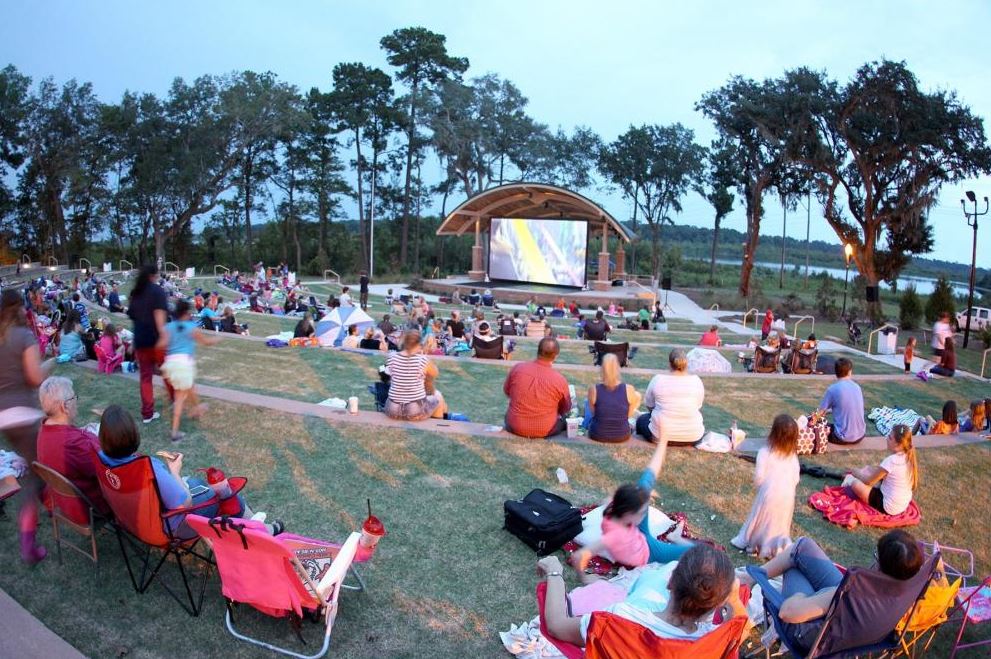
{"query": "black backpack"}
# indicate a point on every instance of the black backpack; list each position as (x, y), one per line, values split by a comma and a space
(542, 520)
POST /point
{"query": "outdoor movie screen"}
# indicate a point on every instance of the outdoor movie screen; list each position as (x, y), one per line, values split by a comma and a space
(538, 251)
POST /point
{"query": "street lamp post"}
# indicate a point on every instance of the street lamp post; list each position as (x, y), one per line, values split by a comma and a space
(972, 221)
(848, 252)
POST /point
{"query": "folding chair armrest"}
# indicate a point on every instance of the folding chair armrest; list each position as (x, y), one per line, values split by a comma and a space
(189, 509)
(770, 594)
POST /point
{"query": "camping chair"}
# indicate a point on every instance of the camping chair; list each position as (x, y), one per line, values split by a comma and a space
(487, 348)
(66, 497)
(980, 592)
(803, 362)
(266, 573)
(612, 637)
(935, 607)
(863, 615)
(766, 359)
(132, 493)
(621, 350)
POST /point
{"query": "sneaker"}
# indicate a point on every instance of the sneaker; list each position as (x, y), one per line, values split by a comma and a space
(178, 436)
(260, 516)
(154, 416)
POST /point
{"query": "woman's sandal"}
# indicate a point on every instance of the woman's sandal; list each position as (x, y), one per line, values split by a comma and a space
(278, 527)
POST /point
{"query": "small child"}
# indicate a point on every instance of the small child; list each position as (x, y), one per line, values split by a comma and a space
(898, 475)
(977, 420)
(112, 347)
(180, 362)
(949, 424)
(625, 531)
(767, 530)
(909, 353)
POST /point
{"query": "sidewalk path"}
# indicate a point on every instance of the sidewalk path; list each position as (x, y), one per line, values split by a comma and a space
(24, 636)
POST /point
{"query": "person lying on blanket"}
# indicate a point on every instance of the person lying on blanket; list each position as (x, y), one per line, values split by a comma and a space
(810, 579)
(625, 531)
(702, 582)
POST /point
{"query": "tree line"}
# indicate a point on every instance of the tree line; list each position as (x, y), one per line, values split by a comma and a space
(234, 148)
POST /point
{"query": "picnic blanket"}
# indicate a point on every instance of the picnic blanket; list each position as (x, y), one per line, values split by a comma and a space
(886, 418)
(837, 507)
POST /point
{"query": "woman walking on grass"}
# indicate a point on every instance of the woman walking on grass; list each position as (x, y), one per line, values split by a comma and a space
(180, 364)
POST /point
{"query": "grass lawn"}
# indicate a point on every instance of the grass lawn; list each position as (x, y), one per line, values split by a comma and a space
(447, 578)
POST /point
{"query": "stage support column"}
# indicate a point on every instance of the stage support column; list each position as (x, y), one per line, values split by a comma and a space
(477, 272)
(620, 260)
(603, 283)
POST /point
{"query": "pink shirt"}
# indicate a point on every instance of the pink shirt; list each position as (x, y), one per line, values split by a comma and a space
(626, 544)
(710, 338)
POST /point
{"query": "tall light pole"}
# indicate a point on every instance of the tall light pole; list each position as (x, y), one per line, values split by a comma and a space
(972, 221)
(784, 232)
(848, 252)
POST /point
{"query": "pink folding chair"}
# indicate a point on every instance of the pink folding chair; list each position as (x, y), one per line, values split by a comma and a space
(266, 572)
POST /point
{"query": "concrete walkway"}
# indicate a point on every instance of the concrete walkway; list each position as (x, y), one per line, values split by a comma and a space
(25, 637)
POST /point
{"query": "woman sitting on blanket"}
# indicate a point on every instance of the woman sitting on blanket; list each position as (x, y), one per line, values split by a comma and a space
(810, 580)
(702, 581)
(625, 530)
(898, 475)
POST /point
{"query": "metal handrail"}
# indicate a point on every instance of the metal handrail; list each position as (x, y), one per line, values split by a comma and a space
(89, 264)
(870, 337)
(168, 263)
(714, 306)
(333, 273)
(799, 322)
(225, 268)
(130, 266)
(26, 259)
(984, 360)
(435, 273)
(653, 294)
(49, 260)
(753, 311)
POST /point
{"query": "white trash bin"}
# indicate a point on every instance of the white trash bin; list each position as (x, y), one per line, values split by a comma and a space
(888, 342)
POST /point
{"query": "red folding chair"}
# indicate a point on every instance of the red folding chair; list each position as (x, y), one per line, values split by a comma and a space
(267, 573)
(141, 518)
(613, 637)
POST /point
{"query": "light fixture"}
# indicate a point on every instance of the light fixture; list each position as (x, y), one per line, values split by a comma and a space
(971, 196)
(848, 250)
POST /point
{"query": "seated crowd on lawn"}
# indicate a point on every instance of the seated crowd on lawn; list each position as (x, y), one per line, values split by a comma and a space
(539, 400)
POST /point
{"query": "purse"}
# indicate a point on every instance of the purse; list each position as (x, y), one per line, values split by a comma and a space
(814, 437)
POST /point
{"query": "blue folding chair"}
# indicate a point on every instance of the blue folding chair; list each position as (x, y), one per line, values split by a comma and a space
(862, 617)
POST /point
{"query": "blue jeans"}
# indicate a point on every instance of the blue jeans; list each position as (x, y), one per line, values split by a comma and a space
(660, 552)
(813, 572)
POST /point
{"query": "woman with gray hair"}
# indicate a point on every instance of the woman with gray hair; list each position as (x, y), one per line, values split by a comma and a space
(675, 402)
(68, 449)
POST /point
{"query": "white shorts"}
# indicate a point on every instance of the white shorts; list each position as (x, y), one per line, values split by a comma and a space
(180, 371)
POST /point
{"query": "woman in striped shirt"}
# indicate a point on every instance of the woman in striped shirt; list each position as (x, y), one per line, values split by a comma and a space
(412, 396)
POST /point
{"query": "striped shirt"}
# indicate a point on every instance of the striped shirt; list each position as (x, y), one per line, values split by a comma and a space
(407, 372)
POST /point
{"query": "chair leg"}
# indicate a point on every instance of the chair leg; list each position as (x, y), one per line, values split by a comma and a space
(127, 561)
(357, 575)
(58, 538)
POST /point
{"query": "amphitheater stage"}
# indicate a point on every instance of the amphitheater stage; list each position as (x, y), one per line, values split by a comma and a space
(631, 295)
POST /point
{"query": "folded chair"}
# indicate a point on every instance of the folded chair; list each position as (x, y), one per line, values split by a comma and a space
(70, 508)
(863, 616)
(935, 607)
(803, 362)
(488, 349)
(266, 573)
(132, 493)
(766, 360)
(613, 637)
(621, 350)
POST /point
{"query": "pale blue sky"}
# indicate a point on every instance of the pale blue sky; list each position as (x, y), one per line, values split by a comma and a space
(602, 64)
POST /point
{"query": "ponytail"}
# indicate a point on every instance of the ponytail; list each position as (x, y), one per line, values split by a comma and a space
(902, 436)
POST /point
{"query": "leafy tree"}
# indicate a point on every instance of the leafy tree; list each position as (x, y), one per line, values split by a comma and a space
(14, 91)
(716, 186)
(746, 115)
(422, 61)
(909, 309)
(322, 174)
(825, 302)
(291, 153)
(941, 300)
(881, 148)
(654, 166)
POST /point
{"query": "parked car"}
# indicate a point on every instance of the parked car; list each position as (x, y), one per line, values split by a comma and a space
(980, 318)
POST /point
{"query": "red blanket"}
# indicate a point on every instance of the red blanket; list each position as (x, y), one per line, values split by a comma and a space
(837, 507)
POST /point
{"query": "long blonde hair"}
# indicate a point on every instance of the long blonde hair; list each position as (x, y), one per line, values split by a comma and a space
(902, 436)
(610, 371)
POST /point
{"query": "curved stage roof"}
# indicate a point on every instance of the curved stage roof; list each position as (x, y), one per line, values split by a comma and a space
(531, 200)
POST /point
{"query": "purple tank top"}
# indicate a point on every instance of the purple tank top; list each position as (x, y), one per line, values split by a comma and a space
(609, 423)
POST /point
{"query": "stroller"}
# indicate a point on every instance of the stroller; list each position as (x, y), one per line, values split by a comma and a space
(854, 334)
(380, 389)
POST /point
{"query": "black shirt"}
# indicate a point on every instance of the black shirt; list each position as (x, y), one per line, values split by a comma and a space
(363, 283)
(142, 312)
(370, 344)
(303, 330)
(596, 330)
(457, 328)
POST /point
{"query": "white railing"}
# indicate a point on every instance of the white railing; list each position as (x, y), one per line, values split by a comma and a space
(799, 322)
(222, 267)
(870, 337)
(25, 259)
(435, 274)
(753, 311)
(51, 261)
(984, 360)
(653, 294)
(714, 306)
(89, 264)
(168, 263)
(130, 266)
(325, 277)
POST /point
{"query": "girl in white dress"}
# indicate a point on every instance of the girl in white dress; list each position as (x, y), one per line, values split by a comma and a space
(768, 528)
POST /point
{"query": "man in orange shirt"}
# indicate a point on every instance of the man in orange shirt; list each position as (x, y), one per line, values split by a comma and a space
(538, 395)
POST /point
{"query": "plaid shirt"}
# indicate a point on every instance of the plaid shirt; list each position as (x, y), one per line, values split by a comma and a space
(538, 396)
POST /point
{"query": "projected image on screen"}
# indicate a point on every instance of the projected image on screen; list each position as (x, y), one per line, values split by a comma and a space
(538, 251)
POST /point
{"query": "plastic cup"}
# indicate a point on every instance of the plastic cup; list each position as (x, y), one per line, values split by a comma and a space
(371, 532)
(573, 424)
(353, 405)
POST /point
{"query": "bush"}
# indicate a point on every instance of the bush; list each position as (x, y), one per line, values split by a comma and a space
(940, 300)
(985, 336)
(825, 304)
(910, 309)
